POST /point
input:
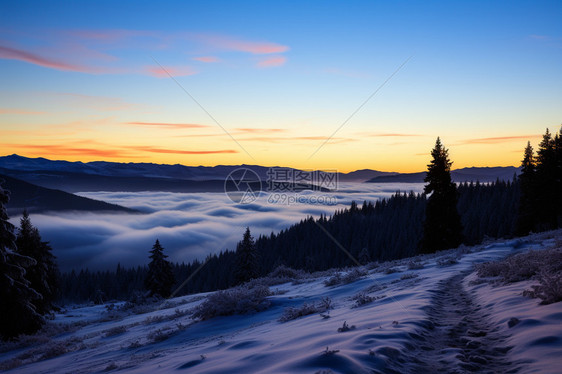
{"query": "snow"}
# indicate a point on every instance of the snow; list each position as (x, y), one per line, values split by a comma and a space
(386, 334)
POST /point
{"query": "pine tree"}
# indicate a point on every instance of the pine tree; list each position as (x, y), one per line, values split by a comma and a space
(527, 202)
(247, 261)
(558, 175)
(442, 226)
(546, 192)
(44, 274)
(364, 257)
(17, 298)
(160, 277)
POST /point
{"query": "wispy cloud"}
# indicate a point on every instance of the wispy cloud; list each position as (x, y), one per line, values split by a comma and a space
(499, 139)
(207, 59)
(382, 134)
(272, 62)
(181, 151)
(20, 111)
(279, 139)
(169, 125)
(255, 130)
(87, 51)
(66, 150)
(234, 44)
(175, 71)
(21, 55)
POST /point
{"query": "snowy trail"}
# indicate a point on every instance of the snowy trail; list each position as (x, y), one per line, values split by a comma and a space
(458, 338)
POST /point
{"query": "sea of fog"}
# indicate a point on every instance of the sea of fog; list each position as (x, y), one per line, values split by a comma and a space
(189, 225)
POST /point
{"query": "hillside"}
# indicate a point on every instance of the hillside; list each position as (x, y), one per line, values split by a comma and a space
(34, 198)
(427, 314)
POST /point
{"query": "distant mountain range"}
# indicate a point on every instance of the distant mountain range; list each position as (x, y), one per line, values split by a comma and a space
(37, 199)
(112, 176)
(482, 174)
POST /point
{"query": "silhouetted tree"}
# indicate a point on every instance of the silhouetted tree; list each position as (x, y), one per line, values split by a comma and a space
(364, 257)
(546, 193)
(527, 201)
(44, 274)
(247, 261)
(442, 225)
(558, 175)
(17, 309)
(160, 277)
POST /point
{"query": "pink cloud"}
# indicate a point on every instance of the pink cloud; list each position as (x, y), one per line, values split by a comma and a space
(174, 71)
(499, 139)
(208, 59)
(182, 152)
(169, 125)
(272, 61)
(69, 150)
(17, 54)
(230, 43)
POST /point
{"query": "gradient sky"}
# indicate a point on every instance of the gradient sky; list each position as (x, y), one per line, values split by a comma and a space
(82, 81)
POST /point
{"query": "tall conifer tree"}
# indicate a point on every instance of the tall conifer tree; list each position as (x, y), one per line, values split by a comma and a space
(442, 226)
(17, 298)
(160, 277)
(527, 200)
(44, 274)
(247, 259)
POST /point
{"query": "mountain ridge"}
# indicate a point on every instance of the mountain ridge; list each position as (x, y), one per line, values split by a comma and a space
(19, 163)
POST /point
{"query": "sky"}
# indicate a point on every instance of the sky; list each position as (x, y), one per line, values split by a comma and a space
(312, 85)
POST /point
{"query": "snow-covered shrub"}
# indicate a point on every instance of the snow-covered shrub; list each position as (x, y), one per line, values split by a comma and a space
(285, 272)
(330, 352)
(415, 265)
(54, 349)
(447, 261)
(306, 309)
(391, 270)
(155, 319)
(333, 280)
(349, 277)
(135, 344)
(346, 327)
(117, 330)
(239, 300)
(409, 276)
(361, 299)
(291, 313)
(325, 304)
(160, 335)
(549, 289)
(523, 266)
(375, 288)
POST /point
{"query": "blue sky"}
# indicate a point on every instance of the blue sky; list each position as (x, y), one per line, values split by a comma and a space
(82, 81)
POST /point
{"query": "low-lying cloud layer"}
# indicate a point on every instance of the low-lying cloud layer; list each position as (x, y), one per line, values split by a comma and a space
(189, 226)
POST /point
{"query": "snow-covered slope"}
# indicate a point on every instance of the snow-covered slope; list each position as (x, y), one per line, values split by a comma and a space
(424, 315)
